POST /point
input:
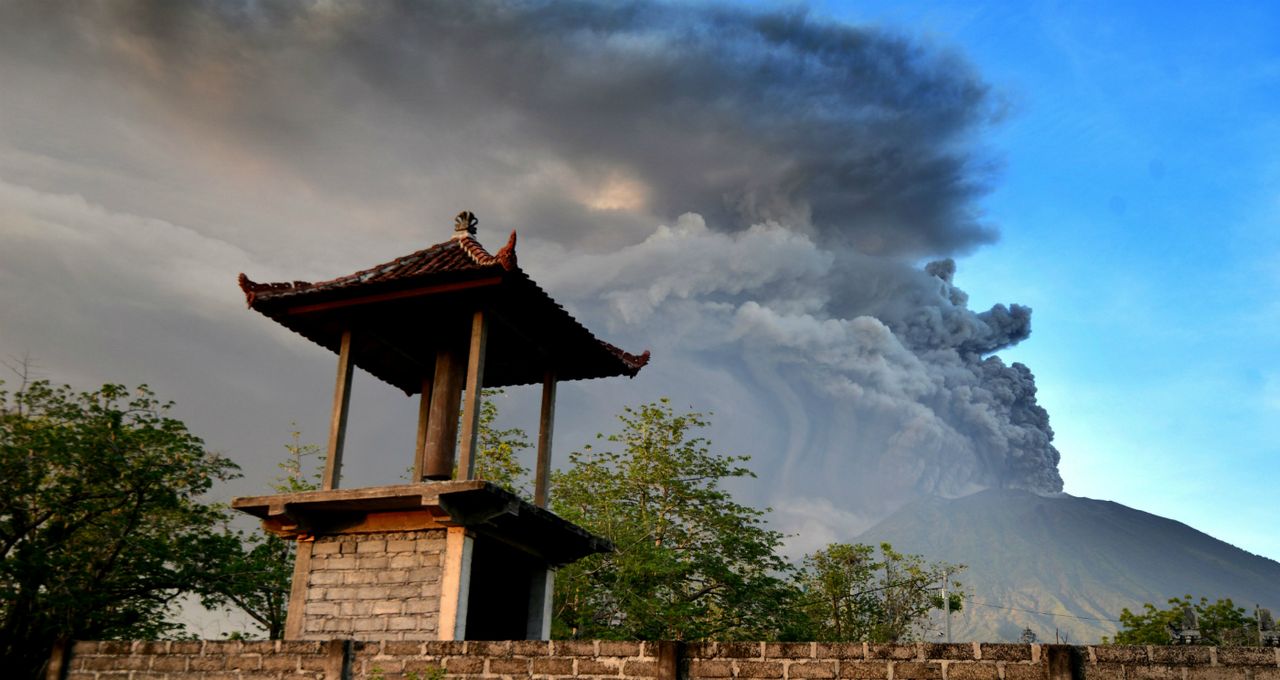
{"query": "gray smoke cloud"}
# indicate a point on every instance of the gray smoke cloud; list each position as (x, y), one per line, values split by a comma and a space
(746, 191)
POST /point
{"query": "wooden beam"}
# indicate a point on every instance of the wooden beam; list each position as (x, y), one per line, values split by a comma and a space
(442, 421)
(394, 295)
(475, 383)
(298, 591)
(546, 423)
(338, 421)
(424, 415)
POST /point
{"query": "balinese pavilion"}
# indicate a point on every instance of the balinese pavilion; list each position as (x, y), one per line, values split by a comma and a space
(447, 556)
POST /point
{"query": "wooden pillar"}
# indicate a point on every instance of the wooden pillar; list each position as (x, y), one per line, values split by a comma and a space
(442, 421)
(424, 415)
(546, 422)
(338, 422)
(298, 590)
(455, 584)
(475, 383)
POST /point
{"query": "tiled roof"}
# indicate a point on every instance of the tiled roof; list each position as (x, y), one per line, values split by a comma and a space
(459, 254)
(461, 258)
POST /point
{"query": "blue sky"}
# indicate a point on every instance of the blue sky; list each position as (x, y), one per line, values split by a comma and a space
(1138, 201)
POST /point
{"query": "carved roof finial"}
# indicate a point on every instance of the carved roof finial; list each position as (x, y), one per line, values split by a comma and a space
(465, 223)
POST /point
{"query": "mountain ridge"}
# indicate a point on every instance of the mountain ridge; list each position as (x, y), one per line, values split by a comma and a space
(1078, 560)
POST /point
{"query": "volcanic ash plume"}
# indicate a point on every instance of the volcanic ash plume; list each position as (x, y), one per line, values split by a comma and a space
(803, 168)
(884, 376)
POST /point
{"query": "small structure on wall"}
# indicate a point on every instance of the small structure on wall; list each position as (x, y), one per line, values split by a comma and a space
(446, 557)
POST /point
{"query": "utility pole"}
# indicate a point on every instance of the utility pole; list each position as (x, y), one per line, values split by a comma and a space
(946, 604)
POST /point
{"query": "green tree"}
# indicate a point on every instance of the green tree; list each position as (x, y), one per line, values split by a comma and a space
(1221, 623)
(497, 449)
(256, 568)
(851, 593)
(101, 523)
(690, 562)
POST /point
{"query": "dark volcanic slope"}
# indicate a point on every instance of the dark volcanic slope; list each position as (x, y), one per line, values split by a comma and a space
(1069, 555)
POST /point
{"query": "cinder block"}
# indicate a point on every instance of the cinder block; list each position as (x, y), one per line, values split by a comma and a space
(1181, 654)
(916, 670)
(371, 624)
(1025, 671)
(812, 669)
(424, 575)
(373, 593)
(788, 650)
(301, 647)
(443, 647)
(518, 647)
(710, 669)
(372, 562)
(1005, 652)
(402, 545)
(551, 665)
(509, 667)
(488, 648)
(950, 652)
(1107, 671)
(839, 650)
(759, 669)
(463, 665)
(382, 607)
(371, 546)
(891, 652)
(421, 605)
(1246, 656)
(205, 664)
(281, 662)
(344, 562)
(616, 648)
(360, 577)
(402, 623)
(977, 670)
(168, 663)
(324, 548)
(864, 670)
(640, 669)
(402, 648)
(1125, 654)
(574, 648)
(739, 650)
(409, 561)
(321, 609)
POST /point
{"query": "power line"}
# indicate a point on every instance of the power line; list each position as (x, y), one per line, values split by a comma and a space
(1033, 611)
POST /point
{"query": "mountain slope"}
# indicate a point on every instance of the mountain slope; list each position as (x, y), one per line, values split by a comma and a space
(1069, 555)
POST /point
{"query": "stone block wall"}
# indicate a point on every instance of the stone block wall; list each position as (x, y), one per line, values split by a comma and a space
(201, 660)
(375, 586)
(610, 660)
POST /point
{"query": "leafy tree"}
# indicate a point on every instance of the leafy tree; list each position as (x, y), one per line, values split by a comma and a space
(101, 526)
(496, 455)
(851, 593)
(256, 568)
(690, 562)
(1221, 623)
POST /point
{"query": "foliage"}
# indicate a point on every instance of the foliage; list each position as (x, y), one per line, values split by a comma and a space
(850, 593)
(690, 562)
(256, 569)
(101, 526)
(1221, 623)
(496, 455)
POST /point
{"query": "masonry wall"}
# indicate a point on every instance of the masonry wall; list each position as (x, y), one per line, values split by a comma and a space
(375, 586)
(608, 660)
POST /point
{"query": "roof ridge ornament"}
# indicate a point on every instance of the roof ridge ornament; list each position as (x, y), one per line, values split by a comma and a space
(465, 224)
